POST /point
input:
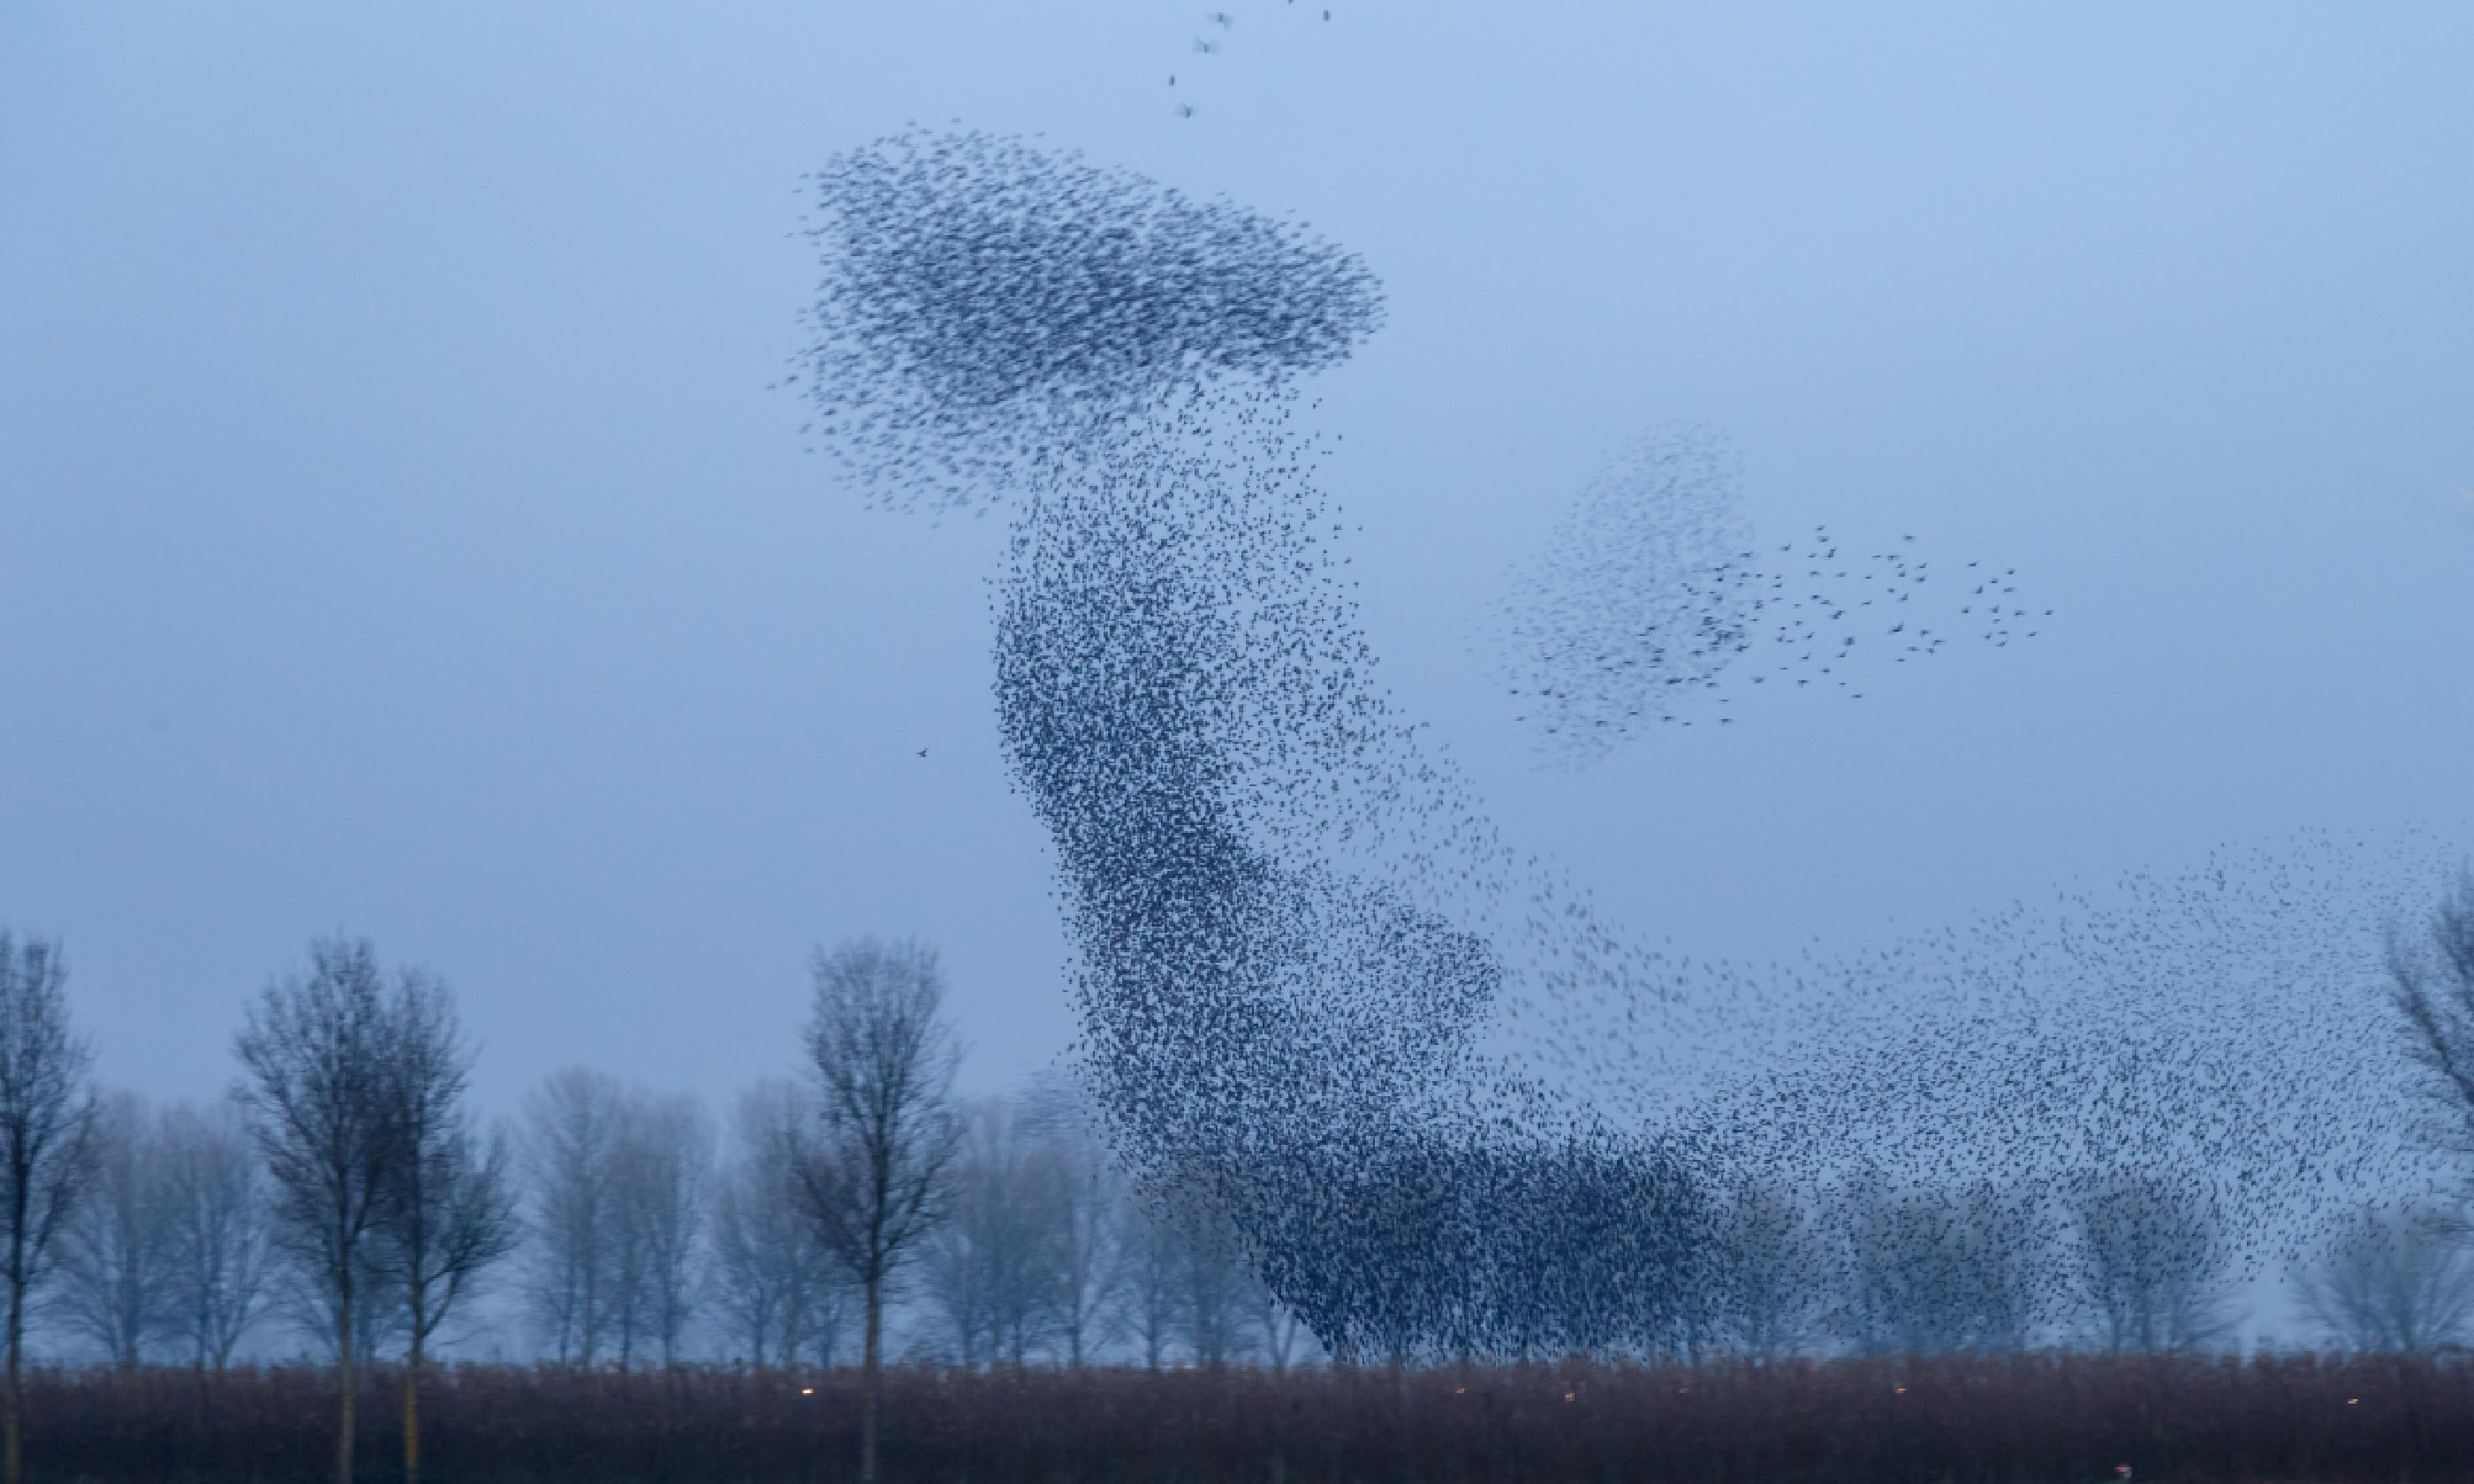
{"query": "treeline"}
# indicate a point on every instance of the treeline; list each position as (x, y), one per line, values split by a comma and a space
(612, 1225)
(347, 1197)
(607, 1224)
(655, 1237)
(651, 1236)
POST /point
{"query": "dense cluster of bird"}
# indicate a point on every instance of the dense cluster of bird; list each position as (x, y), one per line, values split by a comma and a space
(1453, 1110)
(1652, 603)
(995, 310)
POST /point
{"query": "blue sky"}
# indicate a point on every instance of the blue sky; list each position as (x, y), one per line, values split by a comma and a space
(401, 537)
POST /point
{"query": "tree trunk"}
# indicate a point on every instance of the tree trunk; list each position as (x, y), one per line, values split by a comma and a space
(16, 1397)
(870, 1373)
(1408, 1434)
(198, 1394)
(412, 1411)
(344, 1374)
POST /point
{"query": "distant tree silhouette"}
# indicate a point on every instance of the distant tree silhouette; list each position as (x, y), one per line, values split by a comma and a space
(2394, 1282)
(780, 1294)
(220, 1255)
(663, 1187)
(116, 1250)
(1090, 1213)
(573, 1128)
(994, 1271)
(2153, 1269)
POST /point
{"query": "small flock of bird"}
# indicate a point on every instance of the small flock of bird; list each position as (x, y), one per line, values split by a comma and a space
(1650, 596)
(1452, 1107)
(1214, 43)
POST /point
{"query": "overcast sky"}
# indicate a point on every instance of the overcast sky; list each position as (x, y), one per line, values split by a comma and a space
(401, 539)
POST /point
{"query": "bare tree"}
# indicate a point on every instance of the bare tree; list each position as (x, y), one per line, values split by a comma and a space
(2432, 985)
(219, 1257)
(316, 1049)
(873, 1167)
(1286, 1339)
(444, 1212)
(773, 1283)
(1090, 1199)
(742, 1284)
(1151, 1291)
(2154, 1269)
(1939, 1270)
(574, 1130)
(1765, 1302)
(954, 1266)
(1223, 1300)
(994, 1269)
(46, 1123)
(663, 1176)
(2396, 1281)
(620, 1182)
(115, 1250)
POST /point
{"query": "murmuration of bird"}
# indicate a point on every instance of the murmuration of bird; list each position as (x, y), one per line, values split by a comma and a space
(1453, 1108)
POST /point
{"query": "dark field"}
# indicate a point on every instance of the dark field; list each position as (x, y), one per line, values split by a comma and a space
(2034, 1417)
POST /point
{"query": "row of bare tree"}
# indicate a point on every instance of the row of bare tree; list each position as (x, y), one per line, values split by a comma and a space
(349, 1183)
(352, 1157)
(1046, 1252)
(646, 1243)
(2132, 1263)
(653, 1238)
(348, 1187)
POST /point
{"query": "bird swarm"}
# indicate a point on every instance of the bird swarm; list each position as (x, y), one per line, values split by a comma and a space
(1451, 1109)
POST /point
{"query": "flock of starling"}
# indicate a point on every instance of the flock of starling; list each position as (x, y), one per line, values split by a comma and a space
(1653, 604)
(1453, 1109)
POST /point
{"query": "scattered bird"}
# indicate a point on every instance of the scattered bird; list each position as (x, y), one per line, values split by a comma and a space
(1650, 599)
